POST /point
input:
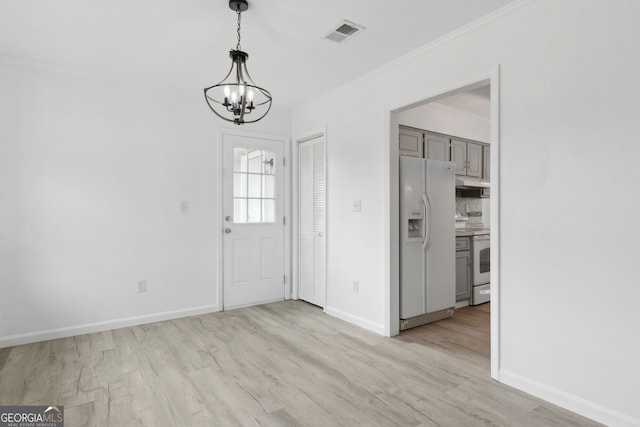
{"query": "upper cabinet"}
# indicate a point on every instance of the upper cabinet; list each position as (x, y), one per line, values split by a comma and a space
(486, 163)
(471, 158)
(459, 156)
(411, 142)
(467, 156)
(437, 147)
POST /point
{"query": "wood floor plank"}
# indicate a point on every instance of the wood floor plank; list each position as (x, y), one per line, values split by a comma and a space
(282, 364)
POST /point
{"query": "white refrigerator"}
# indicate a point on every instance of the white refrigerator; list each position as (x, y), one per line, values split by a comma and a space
(427, 241)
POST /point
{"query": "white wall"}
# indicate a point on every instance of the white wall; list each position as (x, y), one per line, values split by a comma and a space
(92, 174)
(441, 118)
(569, 133)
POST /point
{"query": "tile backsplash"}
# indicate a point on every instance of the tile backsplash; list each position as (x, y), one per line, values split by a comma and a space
(476, 209)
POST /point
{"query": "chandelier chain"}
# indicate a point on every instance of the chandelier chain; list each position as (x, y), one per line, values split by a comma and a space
(239, 15)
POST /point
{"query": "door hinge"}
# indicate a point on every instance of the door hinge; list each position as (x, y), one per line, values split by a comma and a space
(284, 220)
(284, 163)
(284, 279)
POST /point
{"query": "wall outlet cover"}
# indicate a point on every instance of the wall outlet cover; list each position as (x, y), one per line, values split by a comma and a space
(142, 286)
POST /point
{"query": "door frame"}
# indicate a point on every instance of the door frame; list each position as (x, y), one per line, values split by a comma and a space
(306, 136)
(286, 150)
(392, 196)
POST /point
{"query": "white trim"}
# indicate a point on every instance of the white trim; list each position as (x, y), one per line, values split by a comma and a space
(306, 136)
(568, 401)
(295, 265)
(459, 111)
(220, 221)
(470, 27)
(494, 203)
(391, 228)
(310, 135)
(356, 320)
(287, 170)
(235, 307)
(88, 328)
(286, 143)
(392, 232)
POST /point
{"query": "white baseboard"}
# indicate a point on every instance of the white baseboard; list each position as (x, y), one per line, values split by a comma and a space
(358, 321)
(251, 304)
(69, 331)
(569, 401)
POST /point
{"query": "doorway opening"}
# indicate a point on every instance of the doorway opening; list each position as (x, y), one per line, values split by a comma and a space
(459, 126)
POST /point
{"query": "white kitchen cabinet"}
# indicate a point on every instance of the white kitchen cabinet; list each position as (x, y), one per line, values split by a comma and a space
(471, 158)
(459, 156)
(463, 271)
(474, 159)
(411, 142)
(467, 156)
(486, 171)
(437, 147)
(486, 163)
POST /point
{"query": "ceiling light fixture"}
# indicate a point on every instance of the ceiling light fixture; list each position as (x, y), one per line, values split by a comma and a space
(237, 96)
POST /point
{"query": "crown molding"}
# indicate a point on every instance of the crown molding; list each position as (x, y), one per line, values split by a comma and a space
(478, 23)
(456, 110)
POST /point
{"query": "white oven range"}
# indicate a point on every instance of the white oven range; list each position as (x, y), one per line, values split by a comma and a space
(481, 290)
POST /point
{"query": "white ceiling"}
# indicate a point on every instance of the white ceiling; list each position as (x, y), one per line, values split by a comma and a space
(185, 44)
(475, 102)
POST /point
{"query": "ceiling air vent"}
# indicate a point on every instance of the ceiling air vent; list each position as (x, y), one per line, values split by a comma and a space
(343, 31)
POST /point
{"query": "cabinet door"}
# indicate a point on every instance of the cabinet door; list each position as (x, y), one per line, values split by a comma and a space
(411, 142)
(474, 159)
(486, 163)
(463, 275)
(437, 147)
(459, 156)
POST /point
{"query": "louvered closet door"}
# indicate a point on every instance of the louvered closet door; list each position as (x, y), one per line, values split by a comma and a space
(312, 220)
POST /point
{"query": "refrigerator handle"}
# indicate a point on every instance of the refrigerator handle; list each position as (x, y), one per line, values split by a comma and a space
(427, 221)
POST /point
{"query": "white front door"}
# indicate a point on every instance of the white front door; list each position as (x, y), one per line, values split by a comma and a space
(253, 208)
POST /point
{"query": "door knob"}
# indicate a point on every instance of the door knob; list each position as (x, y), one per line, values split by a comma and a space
(227, 230)
(227, 218)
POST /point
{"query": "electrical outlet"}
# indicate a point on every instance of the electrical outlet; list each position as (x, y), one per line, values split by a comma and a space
(356, 286)
(184, 206)
(357, 205)
(142, 286)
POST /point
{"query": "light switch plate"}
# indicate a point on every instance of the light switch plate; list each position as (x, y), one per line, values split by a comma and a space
(357, 205)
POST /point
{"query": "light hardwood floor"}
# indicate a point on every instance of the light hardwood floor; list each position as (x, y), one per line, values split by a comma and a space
(281, 364)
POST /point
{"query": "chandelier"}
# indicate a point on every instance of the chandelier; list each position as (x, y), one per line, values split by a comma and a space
(237, 98)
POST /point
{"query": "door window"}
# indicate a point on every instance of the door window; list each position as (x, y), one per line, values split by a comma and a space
(254, 186)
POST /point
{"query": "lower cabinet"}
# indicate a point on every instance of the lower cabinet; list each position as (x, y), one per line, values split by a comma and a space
(463, 275)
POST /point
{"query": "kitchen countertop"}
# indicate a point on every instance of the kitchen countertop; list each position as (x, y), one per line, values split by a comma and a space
(464, 232)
